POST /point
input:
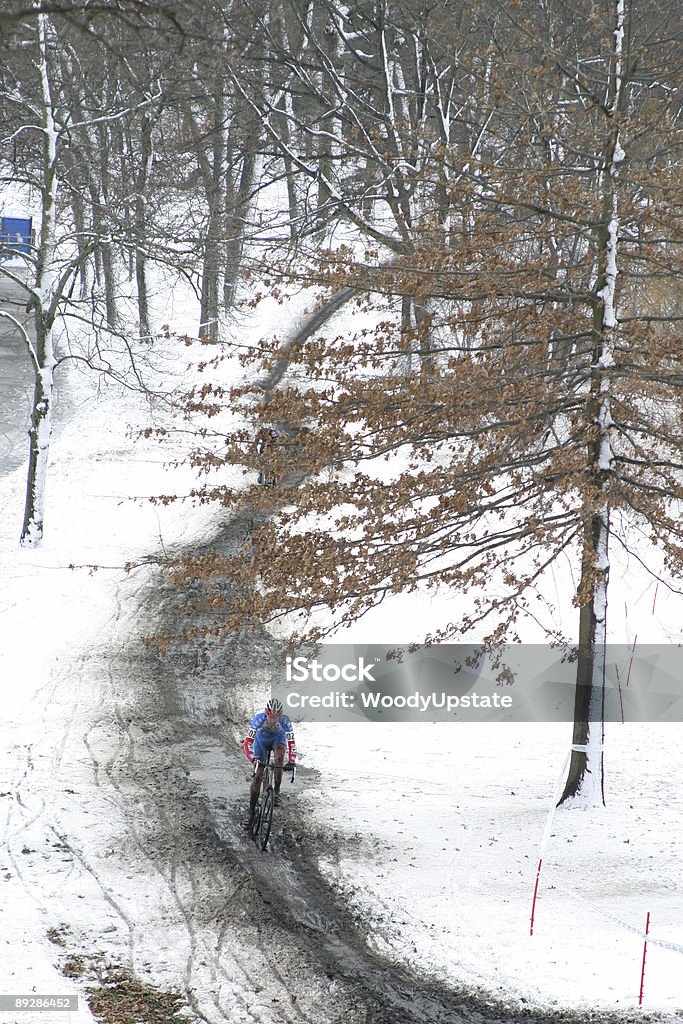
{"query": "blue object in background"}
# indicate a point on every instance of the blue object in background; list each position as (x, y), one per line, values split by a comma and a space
(15, 235)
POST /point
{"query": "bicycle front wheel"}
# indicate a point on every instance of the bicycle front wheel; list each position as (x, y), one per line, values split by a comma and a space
(266, 819)
(256, 820)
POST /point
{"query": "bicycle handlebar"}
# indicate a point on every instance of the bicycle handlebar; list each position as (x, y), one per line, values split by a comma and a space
(289, 767)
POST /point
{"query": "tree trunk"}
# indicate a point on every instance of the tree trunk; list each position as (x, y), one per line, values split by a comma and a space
(141, 230)
(214, 172)
(39, 434)
(80, 216)
(104, 227)
(236, 227)
(293, 203)
(41, 303)
(586, 766)
(143, 295)
(208, 316)
(586, 773)
(104, 257)
(109, 281)
(585, 779)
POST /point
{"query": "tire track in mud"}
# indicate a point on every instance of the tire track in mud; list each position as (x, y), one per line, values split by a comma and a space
(237, 964)
(316, 912)
(129, 776)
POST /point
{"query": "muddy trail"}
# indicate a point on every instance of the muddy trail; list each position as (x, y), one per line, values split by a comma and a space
(301, 950)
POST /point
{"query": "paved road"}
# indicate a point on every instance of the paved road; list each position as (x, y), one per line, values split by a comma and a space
(16, 380)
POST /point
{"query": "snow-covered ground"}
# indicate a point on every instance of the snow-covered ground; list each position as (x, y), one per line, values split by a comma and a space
(438, 828)
(54, 714)
(452, 819)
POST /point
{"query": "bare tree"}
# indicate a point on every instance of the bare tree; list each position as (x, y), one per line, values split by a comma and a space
(58, 131)
(51, 276)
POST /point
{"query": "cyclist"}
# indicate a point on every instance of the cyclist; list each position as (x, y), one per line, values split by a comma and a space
(269, 730)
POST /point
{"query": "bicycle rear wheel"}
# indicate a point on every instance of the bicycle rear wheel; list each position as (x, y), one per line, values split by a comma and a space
(256, 820)
(266, 819)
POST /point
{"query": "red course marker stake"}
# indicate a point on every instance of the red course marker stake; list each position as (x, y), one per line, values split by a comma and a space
(533, 905)
(642, 972)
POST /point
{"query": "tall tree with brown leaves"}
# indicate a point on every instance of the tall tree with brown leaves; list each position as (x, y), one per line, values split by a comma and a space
(534, 410)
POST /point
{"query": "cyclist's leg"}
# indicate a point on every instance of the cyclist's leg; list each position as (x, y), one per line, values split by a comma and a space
(279, 750)
(260, 755)
(254, 790)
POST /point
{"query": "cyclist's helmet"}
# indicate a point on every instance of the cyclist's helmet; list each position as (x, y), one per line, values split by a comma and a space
(274, 708)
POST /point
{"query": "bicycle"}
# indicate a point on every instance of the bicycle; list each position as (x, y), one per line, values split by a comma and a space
(263, 812)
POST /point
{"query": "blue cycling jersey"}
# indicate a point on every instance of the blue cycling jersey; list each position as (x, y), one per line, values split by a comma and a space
(265, 734)
(260, 721)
